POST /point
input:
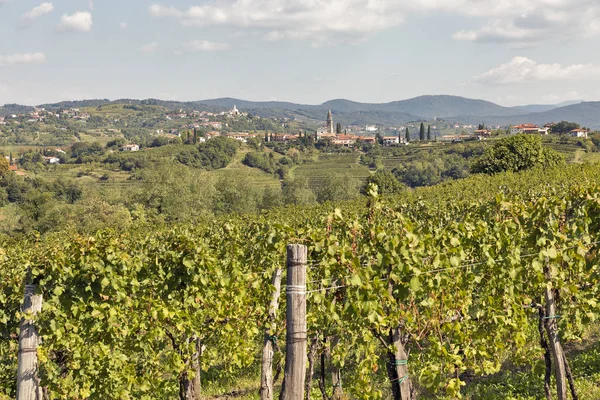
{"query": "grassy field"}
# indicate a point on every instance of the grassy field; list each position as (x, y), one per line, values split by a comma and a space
(18, 149)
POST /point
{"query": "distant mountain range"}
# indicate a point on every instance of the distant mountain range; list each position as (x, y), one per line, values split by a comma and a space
(459, 109)
(454, 108)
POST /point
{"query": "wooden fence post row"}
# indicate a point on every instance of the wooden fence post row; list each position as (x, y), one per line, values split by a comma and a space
(28, 387)
(296, 334)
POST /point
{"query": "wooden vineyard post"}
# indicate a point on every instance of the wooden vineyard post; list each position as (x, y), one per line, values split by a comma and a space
(295, 356)
(28, 386)
(269, 346)
(336, 374)
(553, 340)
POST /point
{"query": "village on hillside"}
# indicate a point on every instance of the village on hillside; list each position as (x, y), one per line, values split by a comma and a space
(180, 125)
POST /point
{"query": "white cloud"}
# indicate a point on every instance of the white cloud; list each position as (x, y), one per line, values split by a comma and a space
(25, 58)
(314, 20)
(149, 48)
(322, 22)
(42, 9)
(123, 25)
(157, 10)
(202, 45)
(81, 21)
(523, 69)
(532, 21)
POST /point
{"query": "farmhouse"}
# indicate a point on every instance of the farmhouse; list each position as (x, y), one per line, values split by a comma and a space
(344, 140)
(52, 160)
(483, 132)
(528, 129)
(579, 133)
(391, 140)
(130, 147)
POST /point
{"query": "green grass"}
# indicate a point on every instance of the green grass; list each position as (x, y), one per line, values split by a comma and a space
(18, 149)
(86, 174)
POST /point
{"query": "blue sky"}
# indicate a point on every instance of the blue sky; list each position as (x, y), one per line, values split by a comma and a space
(507, 51)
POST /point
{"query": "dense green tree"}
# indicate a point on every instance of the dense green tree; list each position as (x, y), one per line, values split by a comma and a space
(407, 135)
(235, 194)
(4, 167)
(429, 133)
(564, 127)
(338, 128)
(297, 191)
(516, 153)
(337, 187)
(386, 183)
(160, 141)
(422, 132)
(116, 143)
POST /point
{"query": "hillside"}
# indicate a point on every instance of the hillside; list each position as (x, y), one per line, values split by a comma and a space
(454, 108)
(586, 114)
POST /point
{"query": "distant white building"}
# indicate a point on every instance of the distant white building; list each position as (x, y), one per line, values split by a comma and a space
(579, 133)
(241, 136)
(371, 128)
(130, 147)
(528, 128)
(52, 160)
(391, 140)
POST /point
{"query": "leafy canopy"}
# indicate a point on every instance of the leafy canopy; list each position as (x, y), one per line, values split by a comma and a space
(516, 153)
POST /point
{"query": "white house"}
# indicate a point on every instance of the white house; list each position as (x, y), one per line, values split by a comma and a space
(527, 128)
(579, 133)
(371, 128)
(130, 147)
(52, 160)
(344, 140)
(241, 136)
(391, 140)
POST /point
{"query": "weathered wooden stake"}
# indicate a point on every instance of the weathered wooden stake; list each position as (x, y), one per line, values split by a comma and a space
(547, 356)
(336, 374)
(312, 355)
(553, 340)
(266, 376)
(401, 387)
(295, 357)
(28, 385)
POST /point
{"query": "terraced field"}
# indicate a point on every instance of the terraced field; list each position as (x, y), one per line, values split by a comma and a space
(328, 164)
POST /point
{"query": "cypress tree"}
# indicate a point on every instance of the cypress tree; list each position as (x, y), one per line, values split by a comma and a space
(338, 128)
(266, 136)
(429, 133)
(422, 132)
(10, 158)
(195, 136)
(407, 135)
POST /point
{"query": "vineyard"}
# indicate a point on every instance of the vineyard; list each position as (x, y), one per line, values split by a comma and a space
(407, 297)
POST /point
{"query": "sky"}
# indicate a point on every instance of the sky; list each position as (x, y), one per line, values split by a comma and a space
(511, 52)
